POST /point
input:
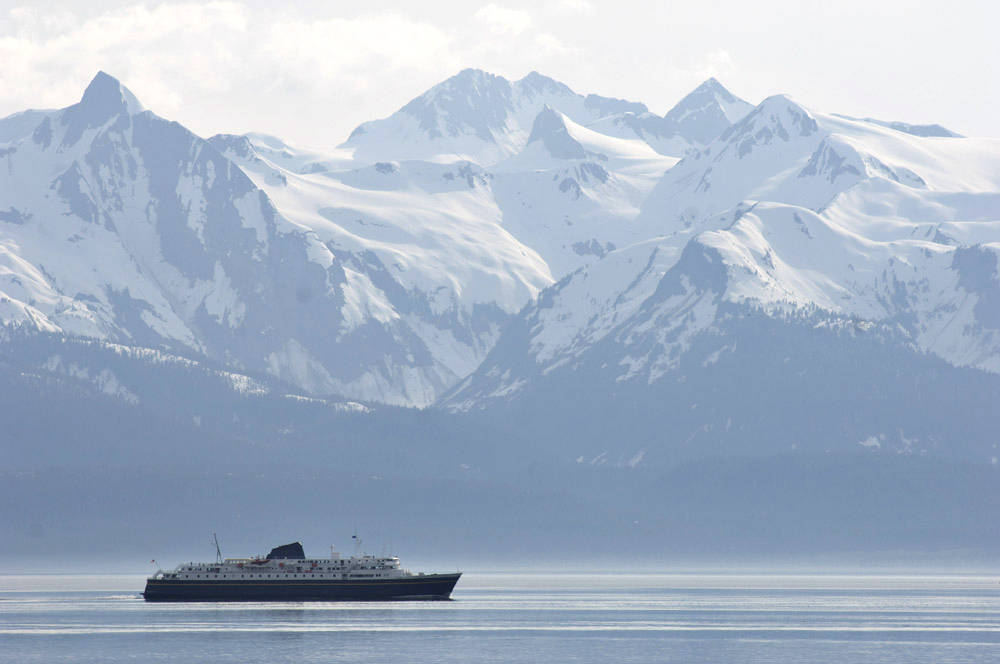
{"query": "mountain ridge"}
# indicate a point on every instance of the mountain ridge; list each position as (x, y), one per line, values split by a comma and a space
(788, 210)
(485, 118)
(427, 260)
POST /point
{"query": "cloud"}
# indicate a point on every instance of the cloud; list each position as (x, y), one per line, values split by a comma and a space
(47, 57)
(173, 54)
(324, 51)
(583, 7)
(503, 20)
(717, 63)
(548, 44)
(231, 65)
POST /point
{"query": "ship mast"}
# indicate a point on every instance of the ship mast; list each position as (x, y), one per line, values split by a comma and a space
(218, 551)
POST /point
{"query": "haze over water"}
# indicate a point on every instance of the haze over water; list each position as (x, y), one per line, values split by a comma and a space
(523, 617)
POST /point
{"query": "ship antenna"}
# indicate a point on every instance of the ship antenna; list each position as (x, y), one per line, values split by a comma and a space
(218, 551)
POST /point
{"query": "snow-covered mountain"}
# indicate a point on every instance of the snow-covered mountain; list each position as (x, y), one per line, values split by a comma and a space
(804, 219)
(705, 112)
(484, 118)
(122, 226)
(387, 270)
(385, 281)
(572, 193)
(699, 117)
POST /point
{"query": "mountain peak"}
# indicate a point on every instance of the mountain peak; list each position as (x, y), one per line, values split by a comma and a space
(479, 116)
(106, 96)
(471, 101)
(550, 128)
(777, 117)
(547, 121)
(535, 82)
(470, 77)
(467, 83)
(781, 103)
(706, 112)
(464, 87)
(713, 86)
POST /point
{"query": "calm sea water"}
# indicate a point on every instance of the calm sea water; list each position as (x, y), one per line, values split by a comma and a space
(548, 618)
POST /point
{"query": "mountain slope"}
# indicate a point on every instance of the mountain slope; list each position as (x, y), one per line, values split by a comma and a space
(572, 193)
(454, 248)
(391, 280)
(122, 226)
(837, 237)
(387, 281)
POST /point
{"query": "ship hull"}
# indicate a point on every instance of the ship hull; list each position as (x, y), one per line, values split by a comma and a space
(426, 587)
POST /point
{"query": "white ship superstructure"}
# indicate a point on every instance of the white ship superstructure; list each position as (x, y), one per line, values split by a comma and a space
(356, 567)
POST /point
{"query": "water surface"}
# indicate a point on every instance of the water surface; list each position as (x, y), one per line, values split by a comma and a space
(502, 617)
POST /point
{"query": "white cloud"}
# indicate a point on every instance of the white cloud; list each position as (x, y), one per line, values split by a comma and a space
(583, 7)
(717, 63)
(229, 65)
(548, 44)
(47, 57)
(189, 55)
(504, 20)
(312, 71)
(320, 52)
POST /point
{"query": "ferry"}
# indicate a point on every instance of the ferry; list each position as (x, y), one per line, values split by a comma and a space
(285, 574)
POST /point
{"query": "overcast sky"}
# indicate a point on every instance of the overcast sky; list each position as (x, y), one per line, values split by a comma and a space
(311, 73)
